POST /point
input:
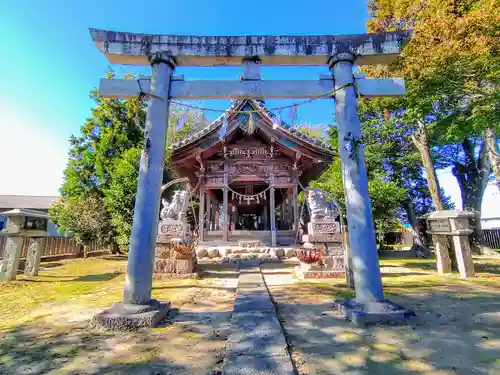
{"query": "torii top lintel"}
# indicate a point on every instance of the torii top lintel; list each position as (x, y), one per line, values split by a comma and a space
(134, 49)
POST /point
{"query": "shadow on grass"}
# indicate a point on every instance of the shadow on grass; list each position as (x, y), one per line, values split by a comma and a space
(70, 279)
(451, 332)
(50, 265)
(402, 274)
(114, 257)
(218, 275)
(482, 266)
(188, 286)
(43, 348)
(487, 268)
(98, 277)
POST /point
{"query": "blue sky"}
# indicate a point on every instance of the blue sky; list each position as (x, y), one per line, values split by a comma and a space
(49, 65)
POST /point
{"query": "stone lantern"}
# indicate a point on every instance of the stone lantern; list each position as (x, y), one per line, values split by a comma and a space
(23, 224)
(453, 223)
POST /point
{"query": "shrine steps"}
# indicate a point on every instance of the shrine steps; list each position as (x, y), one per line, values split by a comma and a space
(283, 237)
(232, 252)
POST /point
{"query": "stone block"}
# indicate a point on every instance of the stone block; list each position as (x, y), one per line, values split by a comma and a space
(183, 266)
(279, 253)
(164, 266)
(289, 252)
(128, 317)
(224, 251)
(213, 253)
(12, 254)
(163, 251)
(202, 253)
(35, 250)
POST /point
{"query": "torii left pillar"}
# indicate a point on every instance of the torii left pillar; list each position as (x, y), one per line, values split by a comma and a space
(138, 309)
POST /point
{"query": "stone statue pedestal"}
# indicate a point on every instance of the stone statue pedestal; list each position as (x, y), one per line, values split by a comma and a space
(324, 234)
(172, 255)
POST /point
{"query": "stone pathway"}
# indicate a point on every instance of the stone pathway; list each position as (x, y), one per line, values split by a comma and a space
(256, 344)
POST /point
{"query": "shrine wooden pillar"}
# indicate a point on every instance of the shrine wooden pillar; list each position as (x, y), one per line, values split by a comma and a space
(209, 212)
(272, 210)
(265, 217)
(295, 205)
(225, 223)
(201, 218)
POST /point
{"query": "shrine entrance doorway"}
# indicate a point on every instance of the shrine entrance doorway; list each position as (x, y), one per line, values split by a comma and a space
(248, 222)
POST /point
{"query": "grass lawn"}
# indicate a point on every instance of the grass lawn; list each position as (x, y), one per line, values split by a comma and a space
(456, 329)
(44, 326)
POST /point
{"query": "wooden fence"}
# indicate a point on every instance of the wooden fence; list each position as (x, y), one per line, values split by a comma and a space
(491, 238)
(54, 247)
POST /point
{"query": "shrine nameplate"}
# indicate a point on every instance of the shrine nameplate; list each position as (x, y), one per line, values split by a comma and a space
(214, 181)
(282, 180)
(248, 152)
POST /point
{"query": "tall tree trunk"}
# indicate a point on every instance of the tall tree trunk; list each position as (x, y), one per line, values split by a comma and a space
(418, 247)
(493, 153)
(86, 250)
(113, 247)
(472, 178)
(421, 141)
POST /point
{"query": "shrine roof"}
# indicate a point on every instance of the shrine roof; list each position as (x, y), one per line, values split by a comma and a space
(284, 127)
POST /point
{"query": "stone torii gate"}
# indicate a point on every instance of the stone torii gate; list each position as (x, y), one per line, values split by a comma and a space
(164, 52)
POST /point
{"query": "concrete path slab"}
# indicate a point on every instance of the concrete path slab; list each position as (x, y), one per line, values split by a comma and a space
(256, 344)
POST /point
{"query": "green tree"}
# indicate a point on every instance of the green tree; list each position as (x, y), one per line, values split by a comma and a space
(84, 217)
(104, 164)
(391, 153)
(119, 198)
(452, 71)
(386, 196)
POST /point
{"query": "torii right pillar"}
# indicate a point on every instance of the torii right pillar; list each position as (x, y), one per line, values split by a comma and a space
(369, 306)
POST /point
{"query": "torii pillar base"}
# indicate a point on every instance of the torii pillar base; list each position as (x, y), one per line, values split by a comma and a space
(130, 317)
(370, 313)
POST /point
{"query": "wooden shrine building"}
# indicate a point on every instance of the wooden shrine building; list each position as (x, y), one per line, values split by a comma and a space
(249, 168)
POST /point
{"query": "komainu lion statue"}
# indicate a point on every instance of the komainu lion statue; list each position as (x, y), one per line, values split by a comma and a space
(319, 207)
(175, 210)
